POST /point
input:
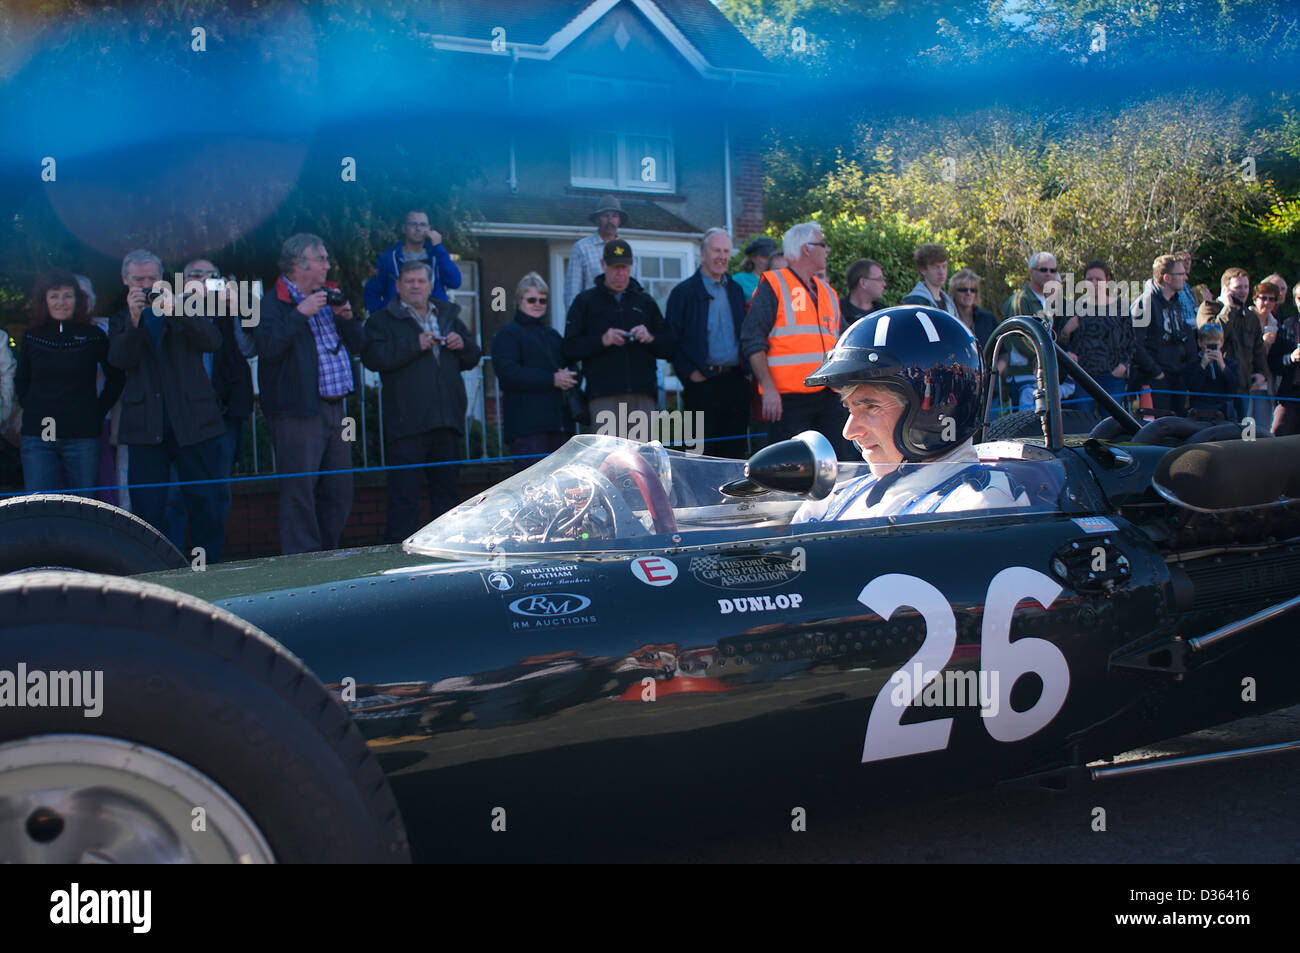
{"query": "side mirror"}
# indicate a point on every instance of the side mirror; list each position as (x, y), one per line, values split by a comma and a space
(804, 465)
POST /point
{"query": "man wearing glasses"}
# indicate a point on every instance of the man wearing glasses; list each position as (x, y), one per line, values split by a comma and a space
(304, 372)
(419, 243)
(1031, 300)
(793, 322)
(170, 416)
(1164, 345)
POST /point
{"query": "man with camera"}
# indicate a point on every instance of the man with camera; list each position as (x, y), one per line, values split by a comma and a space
(419, 347)
(616, 330)
(1243, 338)
(1165, 347)
(170, 417)
(305, 343)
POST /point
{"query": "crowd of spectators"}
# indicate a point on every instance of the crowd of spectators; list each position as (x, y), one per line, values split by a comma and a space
(158, 399)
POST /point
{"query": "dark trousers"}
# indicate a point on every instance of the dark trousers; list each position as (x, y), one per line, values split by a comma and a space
(724, 402)
(822, 412)
(1173, 402)
(200, 461)
(432, 446)
(546, 442)
(313, 509)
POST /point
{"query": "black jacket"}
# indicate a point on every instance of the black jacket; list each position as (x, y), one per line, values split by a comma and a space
(231, 377)
(1165, 344)
(423, 390)
(56, 378)
(288, 372)
(629, 369)
(688, 320)
(1279, 357)
(173, 376)
(525, 355)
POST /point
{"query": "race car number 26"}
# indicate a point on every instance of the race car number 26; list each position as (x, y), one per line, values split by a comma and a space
(888, 738)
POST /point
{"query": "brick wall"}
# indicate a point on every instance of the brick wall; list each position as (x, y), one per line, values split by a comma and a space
(747, 168)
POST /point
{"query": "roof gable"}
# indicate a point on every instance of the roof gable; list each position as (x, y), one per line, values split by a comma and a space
(542, 29)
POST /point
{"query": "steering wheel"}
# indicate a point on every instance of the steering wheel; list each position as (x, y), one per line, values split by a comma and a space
(647, 483)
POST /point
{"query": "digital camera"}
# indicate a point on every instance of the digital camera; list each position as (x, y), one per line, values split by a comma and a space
(629, 336)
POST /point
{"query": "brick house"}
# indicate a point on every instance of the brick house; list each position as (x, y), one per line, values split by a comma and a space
(647, 100)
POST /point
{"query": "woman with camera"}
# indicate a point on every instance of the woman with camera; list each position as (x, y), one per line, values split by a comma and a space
(63, 410)
(539, 395)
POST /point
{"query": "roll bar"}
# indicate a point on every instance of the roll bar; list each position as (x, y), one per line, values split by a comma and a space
(1047, 394)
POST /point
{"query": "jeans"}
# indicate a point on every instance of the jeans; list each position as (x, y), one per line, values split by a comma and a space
(548, 441)
(77, 458)
(1110, 384)
(153, 464)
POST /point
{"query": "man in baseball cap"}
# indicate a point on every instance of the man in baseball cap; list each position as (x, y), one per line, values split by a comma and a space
(617, 331)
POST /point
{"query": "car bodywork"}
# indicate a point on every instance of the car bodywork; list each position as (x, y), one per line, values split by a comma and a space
(562, 644)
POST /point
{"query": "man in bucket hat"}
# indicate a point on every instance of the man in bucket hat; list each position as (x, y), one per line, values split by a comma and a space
(585, 258)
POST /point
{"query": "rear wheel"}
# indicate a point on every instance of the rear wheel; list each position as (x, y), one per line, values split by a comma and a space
(1026, 423)
(50, 530)
(182, 734)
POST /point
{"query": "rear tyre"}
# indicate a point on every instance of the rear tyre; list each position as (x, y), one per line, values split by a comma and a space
(196, 709)
(71, 532)
(1026, 423)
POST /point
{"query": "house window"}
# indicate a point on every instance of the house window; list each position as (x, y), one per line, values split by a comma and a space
(615, 146)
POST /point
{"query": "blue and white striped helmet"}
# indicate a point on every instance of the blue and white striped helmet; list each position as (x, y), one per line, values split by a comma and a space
(929, 359)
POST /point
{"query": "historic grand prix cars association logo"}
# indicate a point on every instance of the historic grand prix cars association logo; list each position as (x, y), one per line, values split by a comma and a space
(760, 571)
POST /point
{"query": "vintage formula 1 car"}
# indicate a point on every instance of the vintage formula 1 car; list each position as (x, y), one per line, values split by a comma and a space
(624, 634)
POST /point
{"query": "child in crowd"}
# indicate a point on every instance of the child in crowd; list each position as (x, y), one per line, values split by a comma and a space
(1211, 378)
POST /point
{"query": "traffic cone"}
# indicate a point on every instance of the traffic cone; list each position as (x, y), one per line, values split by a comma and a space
(1145, 403)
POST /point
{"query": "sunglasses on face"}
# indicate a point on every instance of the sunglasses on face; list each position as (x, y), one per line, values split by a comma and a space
(535, 301)
(202, 274)
(1265, 298)
(964, 291)
(1046, 271)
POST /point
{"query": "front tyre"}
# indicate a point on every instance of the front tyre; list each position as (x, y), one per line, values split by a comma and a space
(178, 733)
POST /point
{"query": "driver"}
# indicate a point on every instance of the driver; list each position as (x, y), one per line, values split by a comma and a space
(912, 383)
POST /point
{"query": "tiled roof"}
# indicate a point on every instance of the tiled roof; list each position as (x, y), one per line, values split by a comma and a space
(525, 21)
(713, 35)
(572, 210)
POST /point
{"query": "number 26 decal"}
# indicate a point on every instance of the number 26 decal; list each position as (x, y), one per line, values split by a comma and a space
(888, 738)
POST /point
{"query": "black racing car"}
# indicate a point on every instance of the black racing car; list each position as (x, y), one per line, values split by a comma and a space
(624, 636)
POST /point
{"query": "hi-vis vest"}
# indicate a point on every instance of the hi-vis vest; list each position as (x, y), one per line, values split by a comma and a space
(803, 332)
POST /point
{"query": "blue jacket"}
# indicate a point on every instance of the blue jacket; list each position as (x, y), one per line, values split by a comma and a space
(525, 355)
(382, 288)
(688, 319)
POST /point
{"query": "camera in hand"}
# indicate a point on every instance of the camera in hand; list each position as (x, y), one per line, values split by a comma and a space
(629, 336)
(150, 296)
(334, 297)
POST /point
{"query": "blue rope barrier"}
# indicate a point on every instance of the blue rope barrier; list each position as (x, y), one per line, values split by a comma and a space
(309, 473)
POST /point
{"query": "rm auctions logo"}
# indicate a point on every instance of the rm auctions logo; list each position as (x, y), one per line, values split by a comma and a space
(543, 609)
(35, 688)
(549, 604)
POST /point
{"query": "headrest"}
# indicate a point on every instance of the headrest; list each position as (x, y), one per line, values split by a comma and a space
(1231, 474)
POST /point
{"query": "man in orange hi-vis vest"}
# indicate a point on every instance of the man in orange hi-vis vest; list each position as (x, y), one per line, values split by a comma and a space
(793, 322)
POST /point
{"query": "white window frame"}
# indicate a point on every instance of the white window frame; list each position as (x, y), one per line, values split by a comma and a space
(621, 90)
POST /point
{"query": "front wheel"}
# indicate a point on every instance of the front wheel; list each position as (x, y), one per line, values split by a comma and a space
(168, 730)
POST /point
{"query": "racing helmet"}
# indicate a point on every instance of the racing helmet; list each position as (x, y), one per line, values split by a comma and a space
(929, 359)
